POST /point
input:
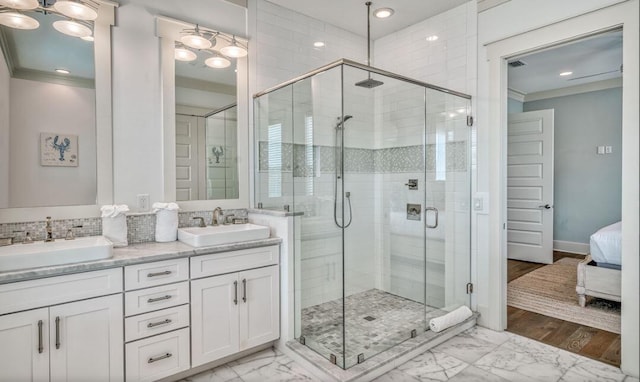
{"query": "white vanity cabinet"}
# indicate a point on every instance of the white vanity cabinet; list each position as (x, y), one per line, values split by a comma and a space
(156, 305)
(237, 306)
(73, 341)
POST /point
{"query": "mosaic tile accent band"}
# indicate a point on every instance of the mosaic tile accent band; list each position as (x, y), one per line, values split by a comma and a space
(308, 161)
(141, 228)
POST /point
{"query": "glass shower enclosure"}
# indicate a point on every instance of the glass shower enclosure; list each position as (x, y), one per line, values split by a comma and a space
(379, 164)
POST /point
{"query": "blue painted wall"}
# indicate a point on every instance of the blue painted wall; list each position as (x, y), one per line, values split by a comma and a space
(587, 186)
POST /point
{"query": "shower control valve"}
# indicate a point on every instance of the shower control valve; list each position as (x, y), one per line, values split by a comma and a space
(412, 184)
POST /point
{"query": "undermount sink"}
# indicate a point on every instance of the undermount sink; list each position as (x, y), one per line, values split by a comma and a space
(222, 234)
(41, 254)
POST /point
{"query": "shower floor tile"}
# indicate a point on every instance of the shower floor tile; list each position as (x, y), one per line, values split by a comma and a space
(375, 321)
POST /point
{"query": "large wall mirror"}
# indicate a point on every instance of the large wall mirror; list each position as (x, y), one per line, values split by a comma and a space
(55, 109)
(204, 76)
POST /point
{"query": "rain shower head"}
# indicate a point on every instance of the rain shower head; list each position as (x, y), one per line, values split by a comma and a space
(369, 83)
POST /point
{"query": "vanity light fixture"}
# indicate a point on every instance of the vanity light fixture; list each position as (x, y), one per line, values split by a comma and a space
(20, 4)
(62, 71)
(383, 13)
(18, 21)
(87, 38)
(77, 14)
(234, 49)
(432, 38)
(318, 44)
(200, 39)
(564, 74)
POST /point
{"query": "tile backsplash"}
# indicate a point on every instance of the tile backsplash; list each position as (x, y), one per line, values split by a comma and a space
(140, 227)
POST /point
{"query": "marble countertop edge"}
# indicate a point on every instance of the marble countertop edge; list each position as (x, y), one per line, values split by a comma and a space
(131, 255)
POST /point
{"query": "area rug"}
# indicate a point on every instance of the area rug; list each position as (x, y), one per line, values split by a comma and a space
(551, 290)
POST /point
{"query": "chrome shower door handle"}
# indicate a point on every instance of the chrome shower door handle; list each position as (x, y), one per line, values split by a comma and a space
(545, 206)
(426, 214)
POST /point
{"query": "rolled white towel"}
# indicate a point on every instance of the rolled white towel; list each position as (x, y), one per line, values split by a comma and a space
(166, 221)
(450, 319)
(114, 224)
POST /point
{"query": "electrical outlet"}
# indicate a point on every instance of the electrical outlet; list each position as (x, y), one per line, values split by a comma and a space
(143, 202)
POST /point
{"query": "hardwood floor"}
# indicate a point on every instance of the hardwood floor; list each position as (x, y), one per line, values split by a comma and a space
(584, 340)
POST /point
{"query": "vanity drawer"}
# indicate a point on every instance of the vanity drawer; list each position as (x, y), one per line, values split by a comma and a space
(156, 273)
(150, 324)
(157, 357)
(147, 300)
(227, 262)
(31, 294)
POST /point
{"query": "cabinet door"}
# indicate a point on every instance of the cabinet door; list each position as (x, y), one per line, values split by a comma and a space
(86, 340)
(24, 352)
(259, 306)
(214, 318)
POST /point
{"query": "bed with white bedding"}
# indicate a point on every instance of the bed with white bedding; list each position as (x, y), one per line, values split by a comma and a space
(599, 273)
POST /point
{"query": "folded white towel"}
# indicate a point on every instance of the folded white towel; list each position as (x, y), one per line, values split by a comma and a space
(111, 211)
(166, 221)
(450, 319)
(164, 206)
(114, 224)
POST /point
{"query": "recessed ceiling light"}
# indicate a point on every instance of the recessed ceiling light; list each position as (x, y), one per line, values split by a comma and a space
(432, 38)
(383, 13)
(62, 71)
(318, 44)
(566, 73)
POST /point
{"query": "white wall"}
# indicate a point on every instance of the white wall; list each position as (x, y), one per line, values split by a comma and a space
(61, 109)
(513, 19)
(4, 134)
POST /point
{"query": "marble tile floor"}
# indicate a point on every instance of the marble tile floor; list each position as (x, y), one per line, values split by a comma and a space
(475, 355)
(375, 321)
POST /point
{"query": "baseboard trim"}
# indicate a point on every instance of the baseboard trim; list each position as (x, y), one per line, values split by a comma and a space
(570, 246)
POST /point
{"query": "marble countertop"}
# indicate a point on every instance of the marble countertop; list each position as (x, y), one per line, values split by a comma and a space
(132, 254)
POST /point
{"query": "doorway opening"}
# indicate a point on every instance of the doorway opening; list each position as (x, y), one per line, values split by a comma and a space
(563, 180)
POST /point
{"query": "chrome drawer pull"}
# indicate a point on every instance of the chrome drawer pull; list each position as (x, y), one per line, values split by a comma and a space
(156, 299)
(40, 346)
(159, 358)
(58, 332)
(244, 290)
(156, 274)
(235, 293)
(154, 324)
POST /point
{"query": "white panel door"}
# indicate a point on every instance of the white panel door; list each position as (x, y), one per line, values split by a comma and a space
(530, 187)
(87, 340)
(214, 318)
(186, 157)
(259, 306)
(24, 346)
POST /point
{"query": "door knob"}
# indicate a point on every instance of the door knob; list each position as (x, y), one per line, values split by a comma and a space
(546, 206)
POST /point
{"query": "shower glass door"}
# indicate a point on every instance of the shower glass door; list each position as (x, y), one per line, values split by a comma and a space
(384, 238)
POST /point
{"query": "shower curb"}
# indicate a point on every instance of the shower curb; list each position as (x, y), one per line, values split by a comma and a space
(378, 364)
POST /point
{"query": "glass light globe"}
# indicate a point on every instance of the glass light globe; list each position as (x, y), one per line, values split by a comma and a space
(20, 4)
(182, 54)
(75, 10)
(233, 50)
(217, 62)
(195, 41)
(18, 21)
(72, 28)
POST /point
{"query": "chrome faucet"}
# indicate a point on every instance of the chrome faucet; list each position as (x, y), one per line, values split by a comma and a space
(216, 216)
(201, 221)
(49, 231)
